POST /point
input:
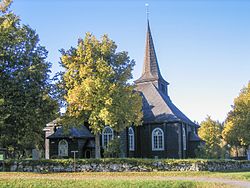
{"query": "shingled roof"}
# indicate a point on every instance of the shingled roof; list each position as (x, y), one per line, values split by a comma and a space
(157, 106)
(81, 132)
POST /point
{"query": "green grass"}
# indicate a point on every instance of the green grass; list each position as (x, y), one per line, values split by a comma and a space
(47, 183)
(229, 175)
(117, 179)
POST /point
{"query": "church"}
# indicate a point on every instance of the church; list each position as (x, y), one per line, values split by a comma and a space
(166, 132)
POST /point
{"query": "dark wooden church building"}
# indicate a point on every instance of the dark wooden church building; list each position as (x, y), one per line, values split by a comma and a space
(166, 132)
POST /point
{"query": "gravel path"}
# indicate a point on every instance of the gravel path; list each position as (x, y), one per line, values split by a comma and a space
(234, 183)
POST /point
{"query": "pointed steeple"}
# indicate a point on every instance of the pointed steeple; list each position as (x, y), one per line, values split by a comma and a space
(150, 66)
(151, 69)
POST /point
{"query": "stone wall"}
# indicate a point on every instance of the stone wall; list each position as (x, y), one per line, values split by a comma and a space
(120, 165)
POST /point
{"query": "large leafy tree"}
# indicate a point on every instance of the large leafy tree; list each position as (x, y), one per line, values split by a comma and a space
(210, 132)
(25, 101)
(96, 86)
(237, 127)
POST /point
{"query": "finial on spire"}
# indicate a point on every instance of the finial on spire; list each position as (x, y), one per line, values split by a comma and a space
(147, 10)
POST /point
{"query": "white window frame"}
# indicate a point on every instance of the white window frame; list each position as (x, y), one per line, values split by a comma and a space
(157, 148)
(110, 136)
(184, 138)
(66, 153)
(131, 138)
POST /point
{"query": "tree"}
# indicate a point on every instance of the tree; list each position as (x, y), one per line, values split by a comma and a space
(25, 88)
(113, 148)
(96, 87)
(229, 135)
(236, 131)
(210, 132)
(4, 5)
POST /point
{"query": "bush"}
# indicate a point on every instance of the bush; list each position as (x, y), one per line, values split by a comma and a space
(112, 149)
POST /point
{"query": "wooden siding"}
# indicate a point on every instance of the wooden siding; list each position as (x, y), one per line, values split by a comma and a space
(173, 143)
(73, 145)
(143, 141)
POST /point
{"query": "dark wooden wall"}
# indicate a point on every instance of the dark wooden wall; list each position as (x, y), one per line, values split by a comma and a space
(173, 143)
(143, 141)
(74, 144)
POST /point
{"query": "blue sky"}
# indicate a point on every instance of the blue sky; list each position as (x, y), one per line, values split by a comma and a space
(203, 47)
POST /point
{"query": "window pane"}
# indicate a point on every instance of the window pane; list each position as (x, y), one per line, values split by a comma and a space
(63, 148)
(157, 139)
(107, 136)
(131, 139)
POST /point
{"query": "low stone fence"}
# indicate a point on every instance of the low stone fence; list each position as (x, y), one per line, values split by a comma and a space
(122, 165)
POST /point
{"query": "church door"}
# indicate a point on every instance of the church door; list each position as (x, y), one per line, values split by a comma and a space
(87, 153)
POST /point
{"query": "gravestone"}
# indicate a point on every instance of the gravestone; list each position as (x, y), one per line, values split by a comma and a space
(35, 154)
(2, 157)
(248, 154)
(2, 154)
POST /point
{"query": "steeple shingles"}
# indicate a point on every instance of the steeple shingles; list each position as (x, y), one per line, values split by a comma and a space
(151, 69)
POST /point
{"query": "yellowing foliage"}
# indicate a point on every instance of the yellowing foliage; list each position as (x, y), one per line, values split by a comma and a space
(237, 128)
(210, 132)
(96, 85)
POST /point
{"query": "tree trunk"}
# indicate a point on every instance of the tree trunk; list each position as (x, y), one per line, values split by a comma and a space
(237, 153)
(97, 146)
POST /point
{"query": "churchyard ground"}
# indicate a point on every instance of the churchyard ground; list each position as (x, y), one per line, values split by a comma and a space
(126, 179)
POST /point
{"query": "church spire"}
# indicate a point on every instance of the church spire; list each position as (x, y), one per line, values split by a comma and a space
(150, 65)
(151, 69)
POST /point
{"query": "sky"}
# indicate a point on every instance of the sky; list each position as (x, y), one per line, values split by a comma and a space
(202, 46)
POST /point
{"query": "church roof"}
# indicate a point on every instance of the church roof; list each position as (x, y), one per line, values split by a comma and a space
(193, 137)
(73, 132)
(157, 106)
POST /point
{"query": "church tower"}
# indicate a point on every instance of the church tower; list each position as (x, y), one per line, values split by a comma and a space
(166, 131)
(151, 71)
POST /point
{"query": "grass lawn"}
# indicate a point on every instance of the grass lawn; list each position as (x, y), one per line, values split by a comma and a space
(121, 179)
(108, 184)
(229, 175)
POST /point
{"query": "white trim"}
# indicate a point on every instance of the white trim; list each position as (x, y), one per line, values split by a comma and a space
(152, 139)
(131, 134)
(67, 147)
(184, 138)
(112, 135)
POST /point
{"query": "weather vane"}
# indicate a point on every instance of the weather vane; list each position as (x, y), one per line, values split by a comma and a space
(147, 10)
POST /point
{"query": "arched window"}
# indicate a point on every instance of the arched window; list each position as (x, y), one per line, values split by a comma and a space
(63, 148)
(107, 135)
(184, 138)
(157, 139)
(131, 136)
